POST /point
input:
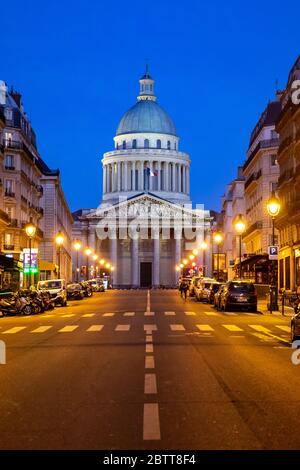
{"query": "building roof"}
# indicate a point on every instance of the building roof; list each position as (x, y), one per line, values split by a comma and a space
(146, 116)
(267, 118)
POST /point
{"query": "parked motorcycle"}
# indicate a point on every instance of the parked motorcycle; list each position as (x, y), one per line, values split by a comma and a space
(87, 289)
(17, 305)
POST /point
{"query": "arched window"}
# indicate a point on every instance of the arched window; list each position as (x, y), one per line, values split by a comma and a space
(158, 144)
(124, 144)
(169, 145)
(146, 143)
(134, 144)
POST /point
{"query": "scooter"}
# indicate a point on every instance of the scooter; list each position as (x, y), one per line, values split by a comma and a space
(19, 305)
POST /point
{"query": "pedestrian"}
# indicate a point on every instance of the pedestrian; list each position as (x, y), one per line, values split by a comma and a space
(183, 289)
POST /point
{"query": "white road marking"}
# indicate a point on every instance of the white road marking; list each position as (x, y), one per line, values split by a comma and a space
(151, 425)
(150, 384)
(149, 314)
(47, 315)
(260, 328)
(13, 330)
(129, 314)
(211, 314)
(67, 315)
(232, 328)
(148, 301)
(41, 329)
(284, 328)
(108, 314)
(170, 313)
(68, 329)
(190, 313)
(149, 338)
(88, 315)
(95, 328)
(149, 348)
(205, 328)
(150, 328)
(149, 362)
(122, 328)
(230, 314)
(177, 328)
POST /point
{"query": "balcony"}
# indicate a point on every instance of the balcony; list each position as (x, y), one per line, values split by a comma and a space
(4, 217)
(263, 144)
(9, 193)
(254, 177)
(258, 225)
(286, 176)
(9, 168)
(8, 247)
(285, 143)
(13, 144)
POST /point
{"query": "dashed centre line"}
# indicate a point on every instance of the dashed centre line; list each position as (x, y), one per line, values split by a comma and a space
(122, 328)
(151, 425)
(95, 328)
(149, 348)
(14, 330)
(168, 314)
(108, 314)
(88, 315)
(205, 328)
(190, 313)
(149, 362)
(41, 329)
(68, 329)
(232, 328)
(129, 314)
(150, 386)
(177, 328)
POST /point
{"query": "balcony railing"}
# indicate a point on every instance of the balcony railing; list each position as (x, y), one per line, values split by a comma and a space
(8, 247)
(286, 176)
(285, 143)
(263, 144)
(258, 225)
(254, 177)
(11, 168)
(9, 193)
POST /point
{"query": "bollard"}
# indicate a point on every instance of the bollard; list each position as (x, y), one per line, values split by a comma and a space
(2, 352)
(282, 305)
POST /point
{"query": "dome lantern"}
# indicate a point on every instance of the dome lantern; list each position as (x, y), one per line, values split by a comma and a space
(146, 87)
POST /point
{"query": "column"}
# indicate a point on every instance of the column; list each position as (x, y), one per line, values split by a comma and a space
(141, 176)
(178, 241)
(150, 177)
(156, 258)
(114, 254)
(179, 178)
(166, 167)
(158, 176)
(119, 176)
(133, 176)
(184, 179)
(173, 165)
(126, 175)
(134, 262)
(104, 179)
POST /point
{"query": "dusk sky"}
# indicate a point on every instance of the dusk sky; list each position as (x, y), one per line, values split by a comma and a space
(215, 65)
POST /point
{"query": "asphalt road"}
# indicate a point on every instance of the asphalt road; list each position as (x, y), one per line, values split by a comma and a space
(132, 370)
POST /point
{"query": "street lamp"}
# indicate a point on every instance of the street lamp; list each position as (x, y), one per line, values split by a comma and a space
(218, 238)
(95, 257)
(30, 230)
(87, 252)
(240, 227)
(77, 246)
(59, 240)
(203, 247)
(273, 207)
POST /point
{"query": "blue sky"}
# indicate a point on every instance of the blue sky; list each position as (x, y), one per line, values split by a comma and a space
(77, 64)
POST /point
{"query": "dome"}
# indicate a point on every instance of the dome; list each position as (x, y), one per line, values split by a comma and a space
(146, 116)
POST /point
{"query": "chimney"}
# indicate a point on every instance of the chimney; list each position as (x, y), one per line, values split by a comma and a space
(3, 91)
(17, 97)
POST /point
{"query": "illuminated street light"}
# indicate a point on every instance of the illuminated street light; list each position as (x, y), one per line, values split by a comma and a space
(177, 268)
(30, 230)
(185, 261)
(192, 257)
(59, 240)
(77, 246)
(181, 265)
(88, 253)
(273, 207)
(107, 265)
(240, 227)
(218, 238)
(195, 252)
(203, 245)
(102, 261)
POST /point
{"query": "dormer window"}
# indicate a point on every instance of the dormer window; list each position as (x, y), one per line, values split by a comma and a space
(8, 114)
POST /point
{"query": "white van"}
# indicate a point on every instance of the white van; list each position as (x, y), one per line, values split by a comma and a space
(56, 288)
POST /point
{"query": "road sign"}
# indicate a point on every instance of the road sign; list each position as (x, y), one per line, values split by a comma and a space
(273, 252)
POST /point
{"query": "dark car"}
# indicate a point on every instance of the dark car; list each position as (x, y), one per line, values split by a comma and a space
(213, 289)
(240, 295)
(74, 292)
(217, 296)
(295, 322)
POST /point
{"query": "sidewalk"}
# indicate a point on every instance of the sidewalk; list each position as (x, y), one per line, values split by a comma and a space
(263, 309)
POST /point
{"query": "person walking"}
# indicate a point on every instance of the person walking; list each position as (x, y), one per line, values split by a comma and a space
(184, 286)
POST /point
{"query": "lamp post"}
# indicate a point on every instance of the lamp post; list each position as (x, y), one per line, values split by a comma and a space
(77, 246)
(218, 238)
(59, 240)
(203, 247)
(30, 230)
(87, 252)
(240, 227)
(273, 207)
(95, 257)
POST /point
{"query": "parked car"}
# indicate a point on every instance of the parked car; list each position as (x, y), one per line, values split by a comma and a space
(215, 286)
(96, 285)
(87, 289)
(217, 296)
(75, 292)
(194, 281)
(239, 294)
(202, 289)
(56, 288)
